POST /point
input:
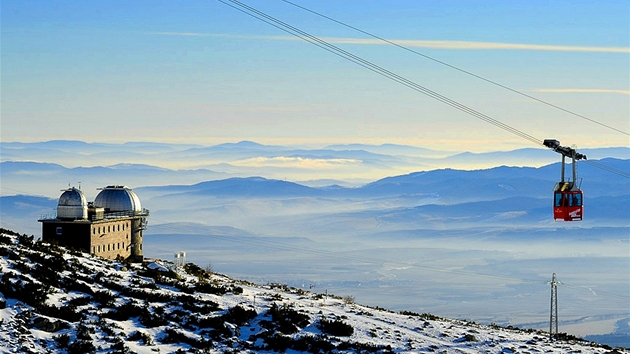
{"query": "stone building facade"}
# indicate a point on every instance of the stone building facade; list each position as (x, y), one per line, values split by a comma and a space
(109, 227)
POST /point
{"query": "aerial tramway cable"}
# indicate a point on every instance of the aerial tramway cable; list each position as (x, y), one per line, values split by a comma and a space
(373, 67)
(456, 68)
(261, 16)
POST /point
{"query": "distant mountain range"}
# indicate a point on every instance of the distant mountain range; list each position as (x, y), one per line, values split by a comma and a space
(368, 220)
(450, 192)
(155, 163)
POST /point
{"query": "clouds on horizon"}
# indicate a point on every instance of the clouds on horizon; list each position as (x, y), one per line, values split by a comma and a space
(296, 162)
(432, 44)
(579, 90)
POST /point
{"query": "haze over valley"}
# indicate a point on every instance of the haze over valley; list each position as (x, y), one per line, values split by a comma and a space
(476, 244)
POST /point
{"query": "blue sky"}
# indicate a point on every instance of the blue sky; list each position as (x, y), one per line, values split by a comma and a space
(202, 72)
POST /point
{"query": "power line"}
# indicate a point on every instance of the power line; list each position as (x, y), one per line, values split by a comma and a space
(457, 68)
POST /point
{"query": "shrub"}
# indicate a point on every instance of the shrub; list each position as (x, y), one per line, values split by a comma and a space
(118, 346)
(68, 312)
(80, 301)
(83, 332)
(81, 347)
(336, 328)
(195, 270)
(104, 297)
(138, 335)
(286, 320)
(26, 241)
(62, 340)
(174, 336)
(190, 303)
(152, 320)
(209, 288)
(239, 316)
(125, 312)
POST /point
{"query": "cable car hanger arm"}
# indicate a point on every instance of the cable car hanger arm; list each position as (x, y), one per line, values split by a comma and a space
(563, 150)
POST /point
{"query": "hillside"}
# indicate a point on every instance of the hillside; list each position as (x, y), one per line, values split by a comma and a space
(58, 300)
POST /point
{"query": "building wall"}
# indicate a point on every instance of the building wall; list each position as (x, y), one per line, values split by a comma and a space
(111, 238)
(69, 234)
(105, 238)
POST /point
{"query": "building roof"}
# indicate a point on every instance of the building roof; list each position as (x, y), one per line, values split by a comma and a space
(118, 199)
(72, 197)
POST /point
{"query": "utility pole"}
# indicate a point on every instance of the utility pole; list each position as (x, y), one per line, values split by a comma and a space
(553, 313)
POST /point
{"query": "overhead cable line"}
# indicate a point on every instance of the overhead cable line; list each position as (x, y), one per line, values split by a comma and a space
(607, 168)
(457, 68)
(373, 67)
(283, 26)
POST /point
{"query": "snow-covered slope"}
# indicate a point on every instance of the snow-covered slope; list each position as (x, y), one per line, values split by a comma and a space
(58, 300)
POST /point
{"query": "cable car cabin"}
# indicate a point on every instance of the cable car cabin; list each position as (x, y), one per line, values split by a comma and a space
(568, 202)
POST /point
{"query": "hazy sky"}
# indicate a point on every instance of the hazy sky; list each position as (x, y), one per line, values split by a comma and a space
(203, 72)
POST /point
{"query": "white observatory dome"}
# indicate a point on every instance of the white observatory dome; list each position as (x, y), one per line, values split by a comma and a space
(118, 199)
(72, 205)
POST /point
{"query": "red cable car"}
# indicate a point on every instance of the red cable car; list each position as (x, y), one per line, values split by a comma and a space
(568, 199)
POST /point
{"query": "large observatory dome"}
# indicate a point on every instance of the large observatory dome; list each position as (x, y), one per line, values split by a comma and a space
(118, 199)
(72, 205)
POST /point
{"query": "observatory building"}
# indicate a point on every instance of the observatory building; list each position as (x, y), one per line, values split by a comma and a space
(109, 227)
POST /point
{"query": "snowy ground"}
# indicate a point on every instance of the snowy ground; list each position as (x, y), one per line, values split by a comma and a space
(131, 308)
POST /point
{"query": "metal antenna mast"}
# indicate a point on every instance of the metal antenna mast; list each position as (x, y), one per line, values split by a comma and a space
(553, 314)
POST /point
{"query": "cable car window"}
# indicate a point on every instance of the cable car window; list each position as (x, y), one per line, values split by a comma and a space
(558, 200)
(577, 200)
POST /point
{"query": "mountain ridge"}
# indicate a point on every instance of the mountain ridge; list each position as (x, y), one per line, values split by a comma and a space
(68, 301)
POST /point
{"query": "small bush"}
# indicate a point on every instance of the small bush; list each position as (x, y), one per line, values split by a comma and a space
(26, 241)
(104, 297)
(152, 320)
(81, 347)
(62, 340)
(239, 316)
(335, 328)
(195, 270)
(138, 335)
(286, 320)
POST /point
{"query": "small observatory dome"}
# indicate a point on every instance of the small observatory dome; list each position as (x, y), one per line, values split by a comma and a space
(72, 205)
(118, 199)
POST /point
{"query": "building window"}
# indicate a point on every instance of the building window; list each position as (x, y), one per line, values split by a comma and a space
(59, 230)
(118, 227)
(93, 231)
(99, 248)
(93, 249)
(99, 229)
